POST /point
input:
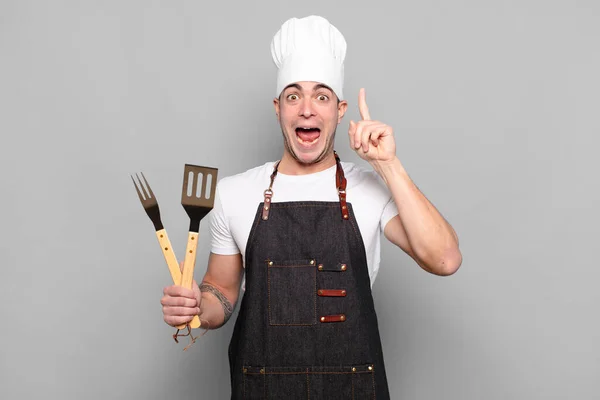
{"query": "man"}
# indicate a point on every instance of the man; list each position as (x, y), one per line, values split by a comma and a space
(306, 233)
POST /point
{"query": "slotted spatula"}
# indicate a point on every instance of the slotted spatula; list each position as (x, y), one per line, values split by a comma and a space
(198, 199)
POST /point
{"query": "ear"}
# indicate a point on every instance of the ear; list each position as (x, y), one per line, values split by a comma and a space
(276, 105)
(342, 107)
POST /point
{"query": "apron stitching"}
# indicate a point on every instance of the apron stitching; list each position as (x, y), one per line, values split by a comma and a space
(311, 373)
(269, 289)
(282, 205)
(290, 266)
(373, 379)
(358, 236)
(352, 386)
(315, 293)
(252, 232)
(307, 385)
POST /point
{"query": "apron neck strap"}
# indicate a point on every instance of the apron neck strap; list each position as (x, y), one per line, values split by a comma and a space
(340, 182)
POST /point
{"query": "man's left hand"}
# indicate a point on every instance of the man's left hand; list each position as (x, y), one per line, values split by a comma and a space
(373, 141)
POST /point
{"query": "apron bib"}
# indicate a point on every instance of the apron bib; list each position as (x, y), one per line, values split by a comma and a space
(307, 327)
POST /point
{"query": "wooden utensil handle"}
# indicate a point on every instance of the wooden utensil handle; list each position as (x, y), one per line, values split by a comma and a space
(167, 249)
(187, 278)
(190, 260)
(171, 259)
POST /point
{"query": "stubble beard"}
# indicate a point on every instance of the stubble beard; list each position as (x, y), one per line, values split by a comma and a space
(326, 150)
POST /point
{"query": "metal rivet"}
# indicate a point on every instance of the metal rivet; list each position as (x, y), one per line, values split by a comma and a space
(191, 251)
(370, 368)
(353, 369)
(268, 200)
(265, 218)
(320, 292)
(266, 207)
(343, 292)
(161, 236)
(345, 216)
(343, 207)
(166, 248)
(343, 318)
(192, 238)
(322, 319)
(262, 370)
(343, 268)
(320, 267)
(312, 262)
(245, 370)
(270, 262)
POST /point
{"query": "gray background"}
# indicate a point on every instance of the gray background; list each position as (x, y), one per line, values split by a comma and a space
(495, 108)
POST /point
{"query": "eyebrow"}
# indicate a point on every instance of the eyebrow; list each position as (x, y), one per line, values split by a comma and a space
(293, 85)
(322, 86)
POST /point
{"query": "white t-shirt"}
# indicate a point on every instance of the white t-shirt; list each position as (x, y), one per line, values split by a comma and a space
(237, 199)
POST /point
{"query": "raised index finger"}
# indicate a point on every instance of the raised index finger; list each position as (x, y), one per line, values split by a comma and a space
(362, 105)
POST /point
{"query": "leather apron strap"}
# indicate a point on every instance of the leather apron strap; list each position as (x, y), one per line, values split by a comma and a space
(340, 182)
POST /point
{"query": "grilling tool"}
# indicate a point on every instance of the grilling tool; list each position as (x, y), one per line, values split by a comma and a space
(197, 198)
(150, 204)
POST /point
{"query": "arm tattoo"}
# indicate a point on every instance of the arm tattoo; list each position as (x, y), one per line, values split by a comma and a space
(227, 307)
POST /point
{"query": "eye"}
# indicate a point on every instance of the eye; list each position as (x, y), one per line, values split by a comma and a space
(292, 97)
(322, 97)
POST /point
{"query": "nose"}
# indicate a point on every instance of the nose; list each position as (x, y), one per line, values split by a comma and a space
(306, 108)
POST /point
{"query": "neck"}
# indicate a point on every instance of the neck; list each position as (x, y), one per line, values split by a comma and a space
(290, 166)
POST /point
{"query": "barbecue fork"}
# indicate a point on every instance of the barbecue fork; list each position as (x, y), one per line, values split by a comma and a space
(150, 204)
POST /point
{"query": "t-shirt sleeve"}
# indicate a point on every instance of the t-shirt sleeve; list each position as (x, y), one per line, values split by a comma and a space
(390, 210)
(222, 241)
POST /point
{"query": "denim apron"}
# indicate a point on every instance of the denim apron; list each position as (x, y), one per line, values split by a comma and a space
(307, 327)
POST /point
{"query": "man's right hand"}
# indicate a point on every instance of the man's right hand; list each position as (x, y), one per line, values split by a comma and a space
(224, 273)
(180, 304)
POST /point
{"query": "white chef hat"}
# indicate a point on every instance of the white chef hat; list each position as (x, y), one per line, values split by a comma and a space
(309, 49)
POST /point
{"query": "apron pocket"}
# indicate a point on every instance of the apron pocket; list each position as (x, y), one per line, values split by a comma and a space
(302, 383)
(255, 386)
(355, 382)
(363, 383)
(292, 292)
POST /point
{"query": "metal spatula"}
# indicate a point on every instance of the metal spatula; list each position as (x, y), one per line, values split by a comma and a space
(198, 199)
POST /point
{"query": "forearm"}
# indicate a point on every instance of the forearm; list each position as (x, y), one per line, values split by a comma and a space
(215, 307)
(432, 240)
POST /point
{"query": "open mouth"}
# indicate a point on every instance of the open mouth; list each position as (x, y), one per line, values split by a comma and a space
(308, 135)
